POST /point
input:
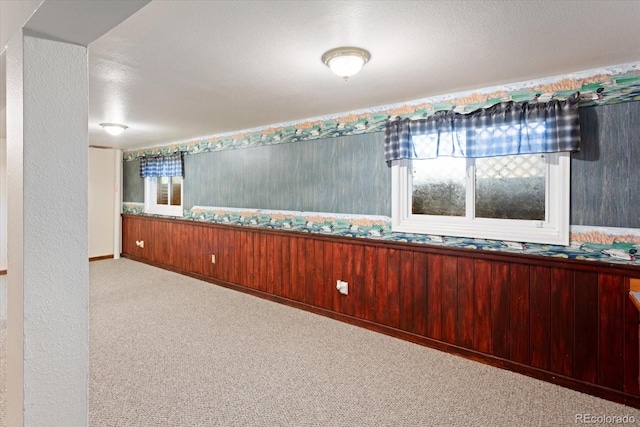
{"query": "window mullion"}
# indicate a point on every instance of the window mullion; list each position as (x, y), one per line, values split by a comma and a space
(470, 194)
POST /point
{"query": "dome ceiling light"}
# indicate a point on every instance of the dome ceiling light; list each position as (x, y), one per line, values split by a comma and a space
(346, 61)
(113, 128)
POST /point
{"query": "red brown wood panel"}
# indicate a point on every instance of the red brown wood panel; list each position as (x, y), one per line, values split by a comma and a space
(357, 289)
(128, 231)
(193, 249)
(186, 246)
(466, 302)
(248, 260)
(406, 291)
(238, 258)
(540, 311)
(562, 318)
(270, 263)
(482, 306)
(221, 259)
(339, 274)
(369, 282)
(328, 274)
(610, 338)
(519, 313)
(263, 257)
(419, 287)
(449, 308)
(382, 289)
(293, 259)
(318, 280)
(285, 256)
(225, 259)
(205, 257)
(215, 250)
(434, 296)
(246, 256)
(387, 278)
(301, 276)
(276, 264)
(154, 242)
(132, 232)
(631, 331)
(393, 288)
(231, 265)
(500, 308)
(238, 269)
(299, 290)
(348, 301)
(585, 366)
(169, 253)
(310, 266)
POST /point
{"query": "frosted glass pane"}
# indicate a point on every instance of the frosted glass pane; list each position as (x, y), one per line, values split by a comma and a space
(439, 186)
(511, 187)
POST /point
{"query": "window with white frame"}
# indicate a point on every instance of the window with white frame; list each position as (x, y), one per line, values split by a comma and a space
(522, 198)
(163, 195)
(163, 183)
(503, 180)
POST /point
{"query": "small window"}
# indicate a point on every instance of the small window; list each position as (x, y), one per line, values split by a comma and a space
(163, 195)
(518, 197)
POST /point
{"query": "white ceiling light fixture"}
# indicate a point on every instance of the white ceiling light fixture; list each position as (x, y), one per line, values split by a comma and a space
(113, 128)
(346, 61)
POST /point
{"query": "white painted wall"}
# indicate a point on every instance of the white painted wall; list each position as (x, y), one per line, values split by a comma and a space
(102, 186)
(48, 270)
(3, 203)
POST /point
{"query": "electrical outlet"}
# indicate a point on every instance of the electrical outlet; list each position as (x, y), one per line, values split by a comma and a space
(342, 287)
(213, 259)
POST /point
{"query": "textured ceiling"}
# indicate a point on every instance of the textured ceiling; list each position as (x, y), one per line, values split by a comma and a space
(178, 70)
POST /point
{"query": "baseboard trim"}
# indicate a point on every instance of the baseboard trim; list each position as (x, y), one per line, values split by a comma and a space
(563, 381)
(98, 258)
(95, 258)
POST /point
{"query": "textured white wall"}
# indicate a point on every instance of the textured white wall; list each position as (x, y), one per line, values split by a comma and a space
(3, 203)
(48, 271)
(102, 185)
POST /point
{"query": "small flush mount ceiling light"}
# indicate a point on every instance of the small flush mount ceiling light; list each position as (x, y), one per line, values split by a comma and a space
(346, 61)
(113, 128)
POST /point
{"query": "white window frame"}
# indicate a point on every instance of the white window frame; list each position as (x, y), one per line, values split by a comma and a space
(151, 199)
(553, 230)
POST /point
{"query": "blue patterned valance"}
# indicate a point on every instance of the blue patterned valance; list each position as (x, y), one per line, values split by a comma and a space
(163, 165)
(506, 128)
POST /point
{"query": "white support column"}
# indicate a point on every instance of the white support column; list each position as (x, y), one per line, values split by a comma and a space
(3, 202)
(117, 220)
(48, 273)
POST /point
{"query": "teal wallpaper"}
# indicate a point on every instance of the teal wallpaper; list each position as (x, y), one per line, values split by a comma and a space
(339, 175)
(132, 185)
(605, 174)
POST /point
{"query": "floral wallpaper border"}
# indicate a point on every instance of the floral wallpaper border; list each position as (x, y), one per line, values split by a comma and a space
(603, 244)
(609, 85)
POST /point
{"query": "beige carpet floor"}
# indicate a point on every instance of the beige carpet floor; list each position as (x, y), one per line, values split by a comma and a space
(168, 350)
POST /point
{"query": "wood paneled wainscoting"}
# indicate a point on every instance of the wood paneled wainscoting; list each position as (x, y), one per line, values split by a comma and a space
(563, 321)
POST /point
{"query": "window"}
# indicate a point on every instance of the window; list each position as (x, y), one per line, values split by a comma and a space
(520, 197)
(163, 195)
(500, 172)
(163, 178)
